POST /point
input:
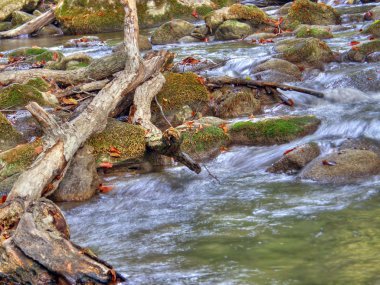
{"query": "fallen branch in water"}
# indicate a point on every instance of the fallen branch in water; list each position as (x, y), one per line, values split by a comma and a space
(213, 82)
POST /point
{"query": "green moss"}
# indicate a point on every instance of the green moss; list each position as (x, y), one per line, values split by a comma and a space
(182, 89)
(203, 141)
(39, 83)
(373, 29)
(28, 52)
(249, 13)
(37, 54)
(18, 159)
(360, 52)
(8, 133)
(128, 139)
(274, 130)
(307, 12)
(19, 95)
(306, 31)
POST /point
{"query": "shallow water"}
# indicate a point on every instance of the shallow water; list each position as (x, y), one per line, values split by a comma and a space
(175, 227)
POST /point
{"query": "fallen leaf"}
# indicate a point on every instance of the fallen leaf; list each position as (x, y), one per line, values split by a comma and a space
(1, 55)
(251, 117)
(38, 150)
(223, 149)
(69, 101)
(105, 189)
(3, 199)
(190, 61)
(224, 127)
(55, 56)
(114, 149)
(354, 43)
(205, 40)
(329, 163)
(195, 14)
(201, 80)
(106, 165)
(289, 150)
(114, 154)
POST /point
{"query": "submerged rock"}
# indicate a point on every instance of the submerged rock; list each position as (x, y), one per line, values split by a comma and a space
(309, 51)
(296, 159)
(314, 31)
(273, 131)
(345, 166)
(310, 13)
(81, 180)
(9, 136)
(171, 32)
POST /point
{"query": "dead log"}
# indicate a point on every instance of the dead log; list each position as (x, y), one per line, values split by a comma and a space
(31, 26)
(213, 82)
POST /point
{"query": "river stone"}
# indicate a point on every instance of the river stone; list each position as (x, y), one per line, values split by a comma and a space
(373, 29)
(188, 39)
(376, 13)
(280, 65)
(233, 102)
(296, 159)
(361, 143)
(5, 26)
(171, 32)
(7, 7)
(274, 76)
(374, 57)
(315, 31)
(273, 131)
(49, 30)
(81, 180)
(19, 18)
(9, 136)
(348, 166)
(309, 51)
(200, 32)
(260, 36)
(232, 30)
(360, 52)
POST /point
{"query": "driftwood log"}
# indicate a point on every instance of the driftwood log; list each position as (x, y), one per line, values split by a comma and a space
(35, 245)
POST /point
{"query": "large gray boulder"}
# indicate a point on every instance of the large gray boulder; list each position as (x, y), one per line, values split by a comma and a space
(171, 32)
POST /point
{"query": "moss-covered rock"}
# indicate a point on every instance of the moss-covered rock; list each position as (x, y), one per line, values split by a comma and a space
(5, 26)
(19, 18)
(17, 159)
(9, 137)
(7, 7)
(171, 32)
(37, 54)
(127, 139)
(373, 29)
(360, 52)
(345, 166)
(319, 32)
(232, 102)
(205, 142)
(39, 83)
(310, 13)
(74, 61)
(19, 95)
(233, 30)
(309, 51)
(245, 13)
(273, 131)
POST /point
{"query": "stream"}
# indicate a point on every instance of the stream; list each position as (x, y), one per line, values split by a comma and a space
(252, 227)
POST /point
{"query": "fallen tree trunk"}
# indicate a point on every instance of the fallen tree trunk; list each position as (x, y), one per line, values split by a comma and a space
(223, 80)
(31, 26)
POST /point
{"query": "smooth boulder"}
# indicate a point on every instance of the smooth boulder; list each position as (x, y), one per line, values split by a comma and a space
(171, 32)
(232, 30)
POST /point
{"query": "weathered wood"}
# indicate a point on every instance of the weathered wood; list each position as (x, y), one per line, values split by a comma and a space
(223, 80)
(31, 26)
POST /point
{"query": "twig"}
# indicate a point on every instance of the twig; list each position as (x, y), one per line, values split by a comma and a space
(162, 112)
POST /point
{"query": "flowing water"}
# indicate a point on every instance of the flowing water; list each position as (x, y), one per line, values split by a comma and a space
(176, 227)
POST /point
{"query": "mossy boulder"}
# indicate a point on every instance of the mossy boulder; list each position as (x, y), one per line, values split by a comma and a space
(127, 139)
(314, 31)
(205, 142)
(180, 89)
(310, 13)
(360, 52)
(5, 26)
(39, 83)
(295, 159)
(19, 95)
(49, 30)
(245, 13)
(71, 62)
(171, 32)
(273, 131)
(232, 102)
(308, 51)
(232, 30)
(7, 7)
(36, 54)
(279, 65)
(373, 29)
(345, 166)
(19, 18)
(9, 136)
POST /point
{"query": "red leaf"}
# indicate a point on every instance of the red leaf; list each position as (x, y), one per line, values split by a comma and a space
(329, 163)
(114, 149)
(224, 127)
(195, 14)
(105, 189)
(354, 43)
(3, 199)
(38, 150)
(201, 80)
(190, 61)
(55, 56)
(289, 150)
(205, 40)
(1, 55)
(106, 165)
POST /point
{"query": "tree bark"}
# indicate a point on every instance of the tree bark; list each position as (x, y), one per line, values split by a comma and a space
(31, 26)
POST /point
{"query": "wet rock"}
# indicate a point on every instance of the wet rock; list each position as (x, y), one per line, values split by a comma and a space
(373, 29)
(310, 13)
(188, 39)
(7, 7)
(19, 95)
(199, 65)
(232, 30)
(374, 57)
(319, 32)
(211, 121)
(5, 26)
(127, 139)
(144, 43)
(81, 180)
(71, 62)
(205, 142)
(200, 32)
(88, 41)
(49, 30)
(260, 36)
(279, 65)
(249, 14)
(309, 51)
(232, 102)
(19, 18)
(274, 76)
(180, 89)
(294, 160)
(376, 13)
(273, 131)
(346, 166)
(361, 144)
(171, 32)
(360, 52)
(9, 136)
